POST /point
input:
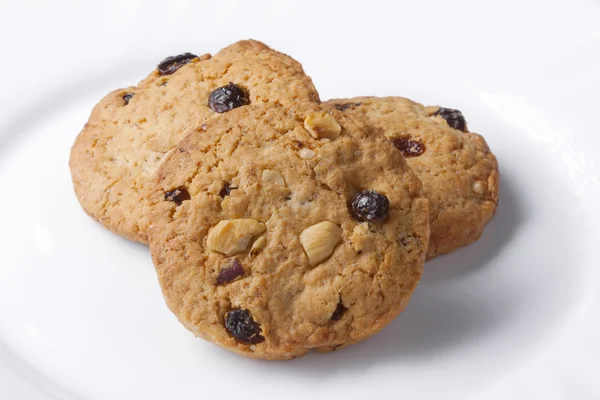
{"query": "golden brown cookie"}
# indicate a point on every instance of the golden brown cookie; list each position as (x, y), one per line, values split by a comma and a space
(459, 172)
(131, 130)
(279, 230)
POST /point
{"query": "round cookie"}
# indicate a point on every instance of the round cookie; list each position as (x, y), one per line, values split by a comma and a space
(132, 129)
(459, 173)
(278, 230)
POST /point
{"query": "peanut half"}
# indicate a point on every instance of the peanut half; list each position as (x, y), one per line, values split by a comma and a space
(320, 240)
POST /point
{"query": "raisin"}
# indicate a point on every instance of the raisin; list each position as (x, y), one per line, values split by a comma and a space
(370, 206)
(339, 312)
(127, 97)
(226, 190)
(232, 270)
(454, 118)
(240, 324)
(169, 65)
(345, 106)
(409, 147)
(228, 97)
(178, 195)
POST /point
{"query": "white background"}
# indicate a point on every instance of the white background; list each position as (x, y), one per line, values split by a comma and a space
(512, 316)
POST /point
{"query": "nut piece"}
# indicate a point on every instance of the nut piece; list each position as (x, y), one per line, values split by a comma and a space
(258, 245)
(232, 237)
(320, 240)
(268, 175)
(321, 125)
(479, 187)
(306, 154)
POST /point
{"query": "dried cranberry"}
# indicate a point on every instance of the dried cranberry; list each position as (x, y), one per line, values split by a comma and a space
(169, 65)
(240, 324)
(454, 118)
(228, 97)
(370, 206)
(226, 190)
(178, 195)
(409, 147)
(127, 97)
(232, 270)
(339, 312)
(345, 106)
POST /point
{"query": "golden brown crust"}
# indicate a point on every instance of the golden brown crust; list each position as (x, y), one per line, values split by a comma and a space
(121, 146)
(372, 271)
(459, 172)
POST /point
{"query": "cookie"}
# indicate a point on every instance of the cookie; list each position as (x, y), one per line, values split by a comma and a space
(131, 130)
(279, 230)
(459, 172)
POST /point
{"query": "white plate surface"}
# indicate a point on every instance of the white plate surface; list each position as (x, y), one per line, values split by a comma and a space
(516, 315)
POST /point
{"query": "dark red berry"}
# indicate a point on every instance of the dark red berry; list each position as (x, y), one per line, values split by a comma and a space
(339, 312)
(171, 64)
(409, 147)
(454, 118)
(226, 190)
(228, 97)
(178, 195)
(240, 324)
(127, 97)
(233, 269)
(370, 206)
(345, 106)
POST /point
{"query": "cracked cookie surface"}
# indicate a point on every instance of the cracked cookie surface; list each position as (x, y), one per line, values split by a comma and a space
(459, 172)
(131, 130)
(267, 257)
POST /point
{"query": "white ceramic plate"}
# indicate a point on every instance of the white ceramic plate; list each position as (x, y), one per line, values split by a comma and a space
(515, 315)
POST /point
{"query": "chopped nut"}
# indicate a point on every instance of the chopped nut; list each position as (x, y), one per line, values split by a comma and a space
(320, 240)
(479, 187)
(306, 154)
(258, 245)
(321, 125)
(269, 175)
(232, 237)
